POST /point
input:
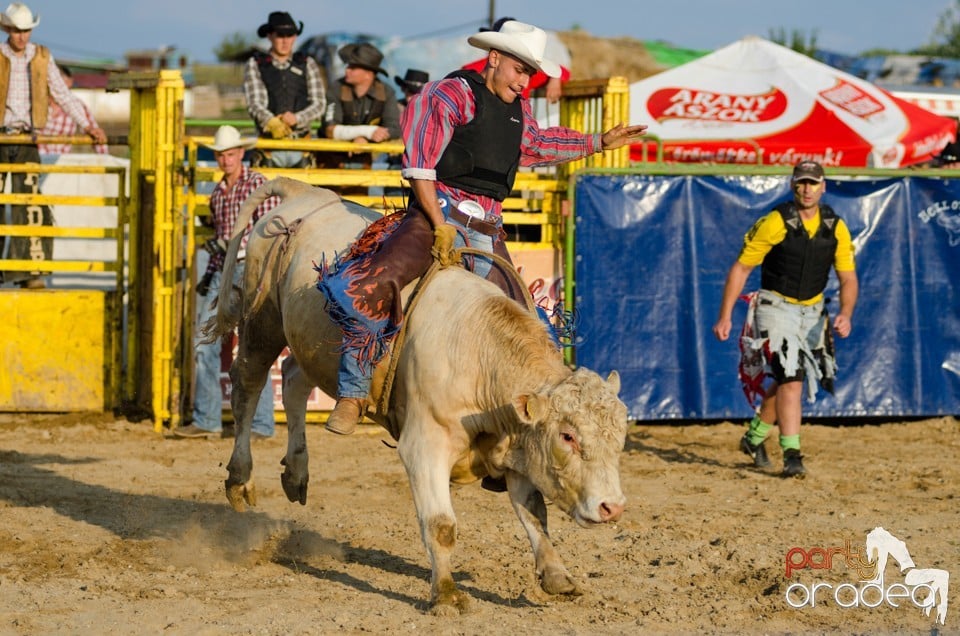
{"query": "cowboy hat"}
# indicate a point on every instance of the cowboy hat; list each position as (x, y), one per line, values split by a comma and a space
(19, 16)
(496, 25)
(362, 54)
(228, 137)
(281, 23)
(522, 41)
(413, 80)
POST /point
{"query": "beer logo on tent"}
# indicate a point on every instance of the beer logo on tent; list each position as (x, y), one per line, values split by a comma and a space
(852, 99)
(691, 103)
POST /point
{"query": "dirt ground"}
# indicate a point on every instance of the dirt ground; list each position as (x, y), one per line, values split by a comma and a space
(107, 527)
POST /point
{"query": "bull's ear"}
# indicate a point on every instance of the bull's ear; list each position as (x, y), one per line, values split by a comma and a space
(530, 408)
(614, 381)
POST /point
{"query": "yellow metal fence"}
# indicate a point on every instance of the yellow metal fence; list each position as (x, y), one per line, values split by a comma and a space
(168, 190)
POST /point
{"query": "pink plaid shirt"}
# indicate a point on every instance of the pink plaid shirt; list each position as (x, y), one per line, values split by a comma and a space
(428, 124)
(225, 208)
(59, 124)
(17, 115)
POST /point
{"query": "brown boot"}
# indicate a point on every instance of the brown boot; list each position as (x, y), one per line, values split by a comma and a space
(346, 415)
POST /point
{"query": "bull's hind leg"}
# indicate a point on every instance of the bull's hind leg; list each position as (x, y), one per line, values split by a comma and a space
(259, 346)
(296, 392)
(428, 469)
(530, 508)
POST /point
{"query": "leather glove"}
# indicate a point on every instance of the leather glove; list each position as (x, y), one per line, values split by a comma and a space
(442, 250)
(216, 247)
(203, 287)
(278, 128)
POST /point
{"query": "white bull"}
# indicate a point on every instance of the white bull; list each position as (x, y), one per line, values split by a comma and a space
(480, 388)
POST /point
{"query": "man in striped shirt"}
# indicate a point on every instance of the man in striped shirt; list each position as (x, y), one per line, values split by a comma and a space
(237, 184)
(29, 79)
(465, 137)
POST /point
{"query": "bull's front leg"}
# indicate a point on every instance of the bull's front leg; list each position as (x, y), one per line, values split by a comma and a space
(530, 508)
(296, 392)
(428, 468)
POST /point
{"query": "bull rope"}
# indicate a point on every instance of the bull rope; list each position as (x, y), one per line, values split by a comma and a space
(435, 267)
(278, 227)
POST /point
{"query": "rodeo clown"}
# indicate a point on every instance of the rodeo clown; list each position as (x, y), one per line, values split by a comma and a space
(786, 337)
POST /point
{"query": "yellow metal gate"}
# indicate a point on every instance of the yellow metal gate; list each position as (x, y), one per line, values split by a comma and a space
(130, 347)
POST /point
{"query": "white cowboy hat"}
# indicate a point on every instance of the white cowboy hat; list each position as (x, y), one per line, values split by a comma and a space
(228, 137)
(19, 16)
(523, 41)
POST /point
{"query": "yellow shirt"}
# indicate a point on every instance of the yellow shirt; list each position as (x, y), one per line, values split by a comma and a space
(770, 230)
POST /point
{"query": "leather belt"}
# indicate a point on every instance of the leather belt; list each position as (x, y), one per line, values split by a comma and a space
(472, 222)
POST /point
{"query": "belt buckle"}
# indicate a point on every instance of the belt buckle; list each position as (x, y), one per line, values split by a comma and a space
(472, 209)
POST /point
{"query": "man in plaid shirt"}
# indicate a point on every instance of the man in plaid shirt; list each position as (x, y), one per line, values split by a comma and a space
(237, 184)
(29, 80)
(61, 124)
(284, 91)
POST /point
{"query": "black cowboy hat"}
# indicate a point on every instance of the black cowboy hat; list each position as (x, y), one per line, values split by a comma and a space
(949, 154)
(281, 23)
(362, 54)
(413, 80)
(496, 25)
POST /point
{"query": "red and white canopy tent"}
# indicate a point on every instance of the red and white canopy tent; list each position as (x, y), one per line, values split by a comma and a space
(755, 101)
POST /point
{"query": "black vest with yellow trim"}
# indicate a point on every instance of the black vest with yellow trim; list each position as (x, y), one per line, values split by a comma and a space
(354, 114)
(482, 156)
(799, 266)
(286, 88)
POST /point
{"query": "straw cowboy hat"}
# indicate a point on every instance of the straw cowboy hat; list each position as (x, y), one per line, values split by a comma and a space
(281, 23)
(412, 80)
(523, 41)
(228, 137)
(19, 16)
(362, 54)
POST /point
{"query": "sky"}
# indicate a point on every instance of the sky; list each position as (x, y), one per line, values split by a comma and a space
(108, 28)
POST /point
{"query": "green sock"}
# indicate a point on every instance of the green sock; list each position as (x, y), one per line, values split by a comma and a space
(758, 431)
(788, 442)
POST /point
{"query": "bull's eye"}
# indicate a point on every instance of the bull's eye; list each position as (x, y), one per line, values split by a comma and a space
(570, 440)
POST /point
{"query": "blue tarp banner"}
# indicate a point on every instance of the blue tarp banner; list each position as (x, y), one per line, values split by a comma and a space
(652, 254)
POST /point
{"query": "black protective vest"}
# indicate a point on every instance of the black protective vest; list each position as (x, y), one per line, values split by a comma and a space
(482, 157)
(354, 110)
(286, 89)
(799, 266)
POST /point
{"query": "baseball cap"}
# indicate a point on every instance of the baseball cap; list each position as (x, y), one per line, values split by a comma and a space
(808, 170)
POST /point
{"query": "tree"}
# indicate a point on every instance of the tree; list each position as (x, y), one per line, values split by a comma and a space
(232, 46)
(797, 41)
(945, 41)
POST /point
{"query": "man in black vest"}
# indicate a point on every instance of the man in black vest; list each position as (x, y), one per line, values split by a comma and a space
(464, 136)
(284, 91)
(359, 106)
(786, 337)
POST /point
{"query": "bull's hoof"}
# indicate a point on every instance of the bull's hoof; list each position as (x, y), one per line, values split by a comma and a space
(239, 495)
(559, 583)
(294, 488)
(449, 601)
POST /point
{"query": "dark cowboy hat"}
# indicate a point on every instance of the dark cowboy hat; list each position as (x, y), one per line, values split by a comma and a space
(496, 25)
(949, 154)
(281, 23)
(362, 54)
(413, 80)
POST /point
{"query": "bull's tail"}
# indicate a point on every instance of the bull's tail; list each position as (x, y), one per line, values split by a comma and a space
(229, 302)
